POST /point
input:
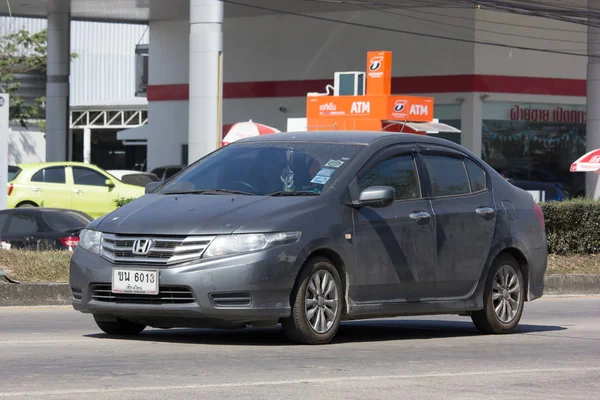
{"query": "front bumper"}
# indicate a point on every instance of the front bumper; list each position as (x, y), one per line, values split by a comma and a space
(265, 277)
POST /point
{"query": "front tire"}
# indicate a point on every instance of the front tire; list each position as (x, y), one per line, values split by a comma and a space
(316, 304)
(119, 326)
(504, 297)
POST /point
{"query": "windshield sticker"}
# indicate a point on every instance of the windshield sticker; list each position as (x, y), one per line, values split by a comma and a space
(320, 180)
(345, 159)
(334, 163)
(326, 172)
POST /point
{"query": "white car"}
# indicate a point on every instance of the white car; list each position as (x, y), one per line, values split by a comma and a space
(138, 178)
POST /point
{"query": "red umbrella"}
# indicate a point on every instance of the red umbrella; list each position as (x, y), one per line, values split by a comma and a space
(242, 130)
(589, 162)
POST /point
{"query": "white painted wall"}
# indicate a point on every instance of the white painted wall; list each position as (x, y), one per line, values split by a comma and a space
(540, 33)
(281, 47)
(169, 52)
(26, 145)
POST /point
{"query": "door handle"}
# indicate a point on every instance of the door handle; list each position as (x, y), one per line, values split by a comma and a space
(77, 191)
(36, 189)
(483, 211)
(420, 215)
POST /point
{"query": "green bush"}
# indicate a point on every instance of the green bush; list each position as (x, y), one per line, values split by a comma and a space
(121, 201)
(573, 226)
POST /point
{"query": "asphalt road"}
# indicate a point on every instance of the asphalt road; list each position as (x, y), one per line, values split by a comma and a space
(57, 353)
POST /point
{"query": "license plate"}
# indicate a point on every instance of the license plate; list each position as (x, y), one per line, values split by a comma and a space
(135, 281)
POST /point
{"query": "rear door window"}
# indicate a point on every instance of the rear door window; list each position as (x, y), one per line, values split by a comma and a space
(21, 224)
(50, 175)
(447, 175)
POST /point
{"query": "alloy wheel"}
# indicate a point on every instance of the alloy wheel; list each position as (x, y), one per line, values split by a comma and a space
(321, 301)
(506, 294)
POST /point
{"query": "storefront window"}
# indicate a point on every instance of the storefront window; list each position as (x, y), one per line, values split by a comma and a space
(449, 114)
(535, 142)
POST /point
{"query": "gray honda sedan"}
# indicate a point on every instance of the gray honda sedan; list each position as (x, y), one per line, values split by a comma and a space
(309, 229)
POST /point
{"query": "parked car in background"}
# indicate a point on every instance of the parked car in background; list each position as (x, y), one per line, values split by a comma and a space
(42, 228)
(549, 191)
(13, 171)
(136, 178)
(167, 171)
(68, 185)
(308, 230)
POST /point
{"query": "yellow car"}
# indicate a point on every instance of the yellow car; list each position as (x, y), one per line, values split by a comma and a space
(73, 185)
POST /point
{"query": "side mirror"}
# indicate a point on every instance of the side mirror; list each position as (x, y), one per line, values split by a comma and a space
(152, 186)
(376, 197)
(109, 183)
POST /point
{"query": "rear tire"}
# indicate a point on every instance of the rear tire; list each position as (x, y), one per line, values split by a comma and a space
(504, 298)
(316, 304)
(119, 327)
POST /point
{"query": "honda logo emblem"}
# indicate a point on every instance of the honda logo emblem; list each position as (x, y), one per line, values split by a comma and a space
(142, 247)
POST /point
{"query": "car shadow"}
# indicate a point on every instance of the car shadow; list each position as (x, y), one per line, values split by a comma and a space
(349, 332)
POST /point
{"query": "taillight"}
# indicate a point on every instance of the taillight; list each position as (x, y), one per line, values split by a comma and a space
(10, 189)
(540, 214)
(70, 241)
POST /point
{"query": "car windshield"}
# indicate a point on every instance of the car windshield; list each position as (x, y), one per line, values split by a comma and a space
(268, 168)
(66, 221)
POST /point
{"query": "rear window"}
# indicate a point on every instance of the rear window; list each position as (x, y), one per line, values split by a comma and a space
(65, 221)
(13, 172)
(139, 179)
(50, 175)
(171, 172)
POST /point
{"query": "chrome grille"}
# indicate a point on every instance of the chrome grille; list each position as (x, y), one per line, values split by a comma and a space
(166, 295)
(164, 250)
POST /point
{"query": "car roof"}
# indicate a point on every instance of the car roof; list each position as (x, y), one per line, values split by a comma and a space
(169, 166)
(126, 171)
(57, 164)
(38, 210)
(347, 137)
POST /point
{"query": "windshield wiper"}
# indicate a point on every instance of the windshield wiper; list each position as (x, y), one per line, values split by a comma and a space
(210, 191)
(298, 193)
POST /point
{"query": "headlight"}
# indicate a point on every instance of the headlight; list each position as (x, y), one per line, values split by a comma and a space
(236, 244)
(90, 240)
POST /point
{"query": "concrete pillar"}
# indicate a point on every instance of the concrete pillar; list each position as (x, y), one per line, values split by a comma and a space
(57, 86)
(4, 130)
(87, 145)
(206, 46)
(471, 122)
(592, 189)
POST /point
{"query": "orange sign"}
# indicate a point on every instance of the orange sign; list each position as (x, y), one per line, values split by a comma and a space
(379, 73)
(372, 111)
(402, 108)
(410, 108)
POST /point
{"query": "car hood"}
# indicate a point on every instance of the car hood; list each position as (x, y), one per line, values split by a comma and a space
(195, 214)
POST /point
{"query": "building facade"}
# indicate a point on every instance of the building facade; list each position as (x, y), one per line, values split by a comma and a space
(102, 95)
(514, 85)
